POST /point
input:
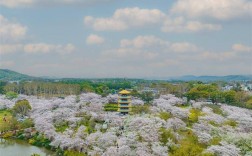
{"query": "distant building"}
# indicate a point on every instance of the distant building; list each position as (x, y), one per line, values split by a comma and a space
(227, 88)
(124, 102)
(17, 82)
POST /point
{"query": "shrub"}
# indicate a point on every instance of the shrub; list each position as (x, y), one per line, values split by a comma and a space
(73, 153)
(26, 124)
(188, 150)
(31, 141)
(8, 135)
(165, 134)
(189, 146)
(21, 107)
(213, 123)
(11, 95)
(231, 123)
(165, 115)
(194, 115)
(215, 141)
(140, 109)
(61, 127)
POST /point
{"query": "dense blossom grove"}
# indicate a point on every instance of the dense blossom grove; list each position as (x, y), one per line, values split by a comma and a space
(137, 134)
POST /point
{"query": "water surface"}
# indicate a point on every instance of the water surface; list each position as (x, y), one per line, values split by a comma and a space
(21, 148)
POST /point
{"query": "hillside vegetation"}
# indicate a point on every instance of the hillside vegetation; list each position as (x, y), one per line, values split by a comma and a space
(8, 75)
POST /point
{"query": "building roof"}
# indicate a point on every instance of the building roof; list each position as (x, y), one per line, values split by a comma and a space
(124, 92)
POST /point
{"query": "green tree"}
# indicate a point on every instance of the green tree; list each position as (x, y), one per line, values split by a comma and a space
(86, 87)
(21, 107)
(2, 84)
(147, 96)
(229, 97)
(11, 95)
(140, 109)
(202, 91)
(249, 103)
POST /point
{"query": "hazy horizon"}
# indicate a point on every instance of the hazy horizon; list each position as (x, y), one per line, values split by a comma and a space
(146, 78)
(108, 38)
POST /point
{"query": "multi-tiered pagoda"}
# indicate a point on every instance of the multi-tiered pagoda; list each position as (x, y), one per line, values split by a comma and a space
(124, 102)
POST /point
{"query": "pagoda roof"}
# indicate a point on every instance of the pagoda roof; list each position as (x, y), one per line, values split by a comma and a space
(124, 92)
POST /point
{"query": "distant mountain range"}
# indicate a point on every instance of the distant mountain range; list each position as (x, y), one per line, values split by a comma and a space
(213, 78)
(9, 75)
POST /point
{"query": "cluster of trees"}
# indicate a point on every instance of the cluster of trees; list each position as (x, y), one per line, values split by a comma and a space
(11, 118)
(193, 90)
(162, 130)
(102, 87)
(213, 93)
(2, 84)
(43, 88)
(66, 87)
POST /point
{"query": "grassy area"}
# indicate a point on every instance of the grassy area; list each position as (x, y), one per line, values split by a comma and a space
(7, 114)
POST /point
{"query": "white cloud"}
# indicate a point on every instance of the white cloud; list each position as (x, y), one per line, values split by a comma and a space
(29, 3)
(11, 34)
(34, 48)
(126, 18)
(219, 9)
(143, 42)
(123, 19)
(242, 48)
(179, 24)
(159, 55)
(183, 47)
(11, 31)
(149, 48)
(48, 48)
(16, 3)
(94, 39)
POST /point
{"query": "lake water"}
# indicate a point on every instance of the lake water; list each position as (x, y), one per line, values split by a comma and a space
(21, 148)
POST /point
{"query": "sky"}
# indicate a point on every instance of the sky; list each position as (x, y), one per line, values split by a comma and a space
(126, 38)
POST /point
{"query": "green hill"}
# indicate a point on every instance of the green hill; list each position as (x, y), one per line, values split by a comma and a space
(8, 75)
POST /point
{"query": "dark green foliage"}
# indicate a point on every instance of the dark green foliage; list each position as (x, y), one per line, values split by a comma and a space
(40, 140)
(2, 84)
(147, 97)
